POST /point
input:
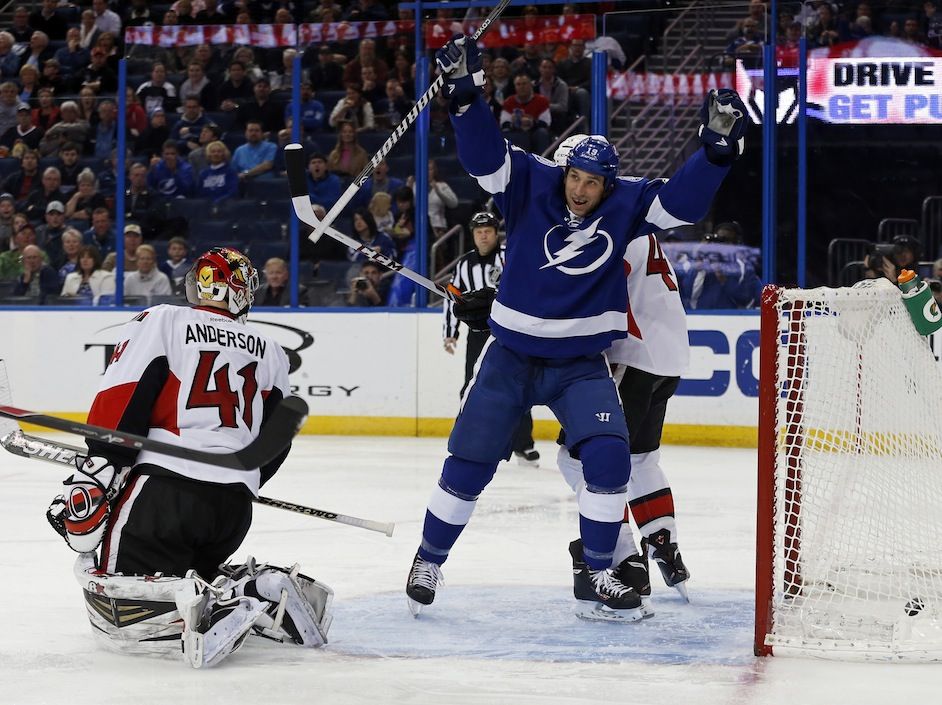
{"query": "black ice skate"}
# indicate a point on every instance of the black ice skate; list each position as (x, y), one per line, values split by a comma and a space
(675, 573)
(633, 572)
(423, 579)
(601, 597)
(530, 456)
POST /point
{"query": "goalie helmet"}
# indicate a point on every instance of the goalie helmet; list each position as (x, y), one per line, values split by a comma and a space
(223, 274)
(596, 156)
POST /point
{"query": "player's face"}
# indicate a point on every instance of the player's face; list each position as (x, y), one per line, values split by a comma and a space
(584, 191)
(485, 239)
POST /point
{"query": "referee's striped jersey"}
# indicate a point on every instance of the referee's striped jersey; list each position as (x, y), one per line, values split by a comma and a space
(471, 273)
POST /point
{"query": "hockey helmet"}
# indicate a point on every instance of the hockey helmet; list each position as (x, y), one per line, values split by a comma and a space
(596, 156)
(483, 219)
(561, 155)
(223, 274)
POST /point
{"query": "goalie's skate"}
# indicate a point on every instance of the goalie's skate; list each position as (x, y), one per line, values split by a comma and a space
(665, 553)
(424, 578)
(600, 596)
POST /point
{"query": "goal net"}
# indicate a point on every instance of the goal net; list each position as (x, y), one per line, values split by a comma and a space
(849, 539)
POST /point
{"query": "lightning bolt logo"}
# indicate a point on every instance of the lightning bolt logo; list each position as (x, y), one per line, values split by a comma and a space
(577, 241)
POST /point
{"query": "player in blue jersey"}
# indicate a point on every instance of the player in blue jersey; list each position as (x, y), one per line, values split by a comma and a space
(561, 303)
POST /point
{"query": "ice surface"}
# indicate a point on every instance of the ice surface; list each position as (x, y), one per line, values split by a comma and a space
(500, 631)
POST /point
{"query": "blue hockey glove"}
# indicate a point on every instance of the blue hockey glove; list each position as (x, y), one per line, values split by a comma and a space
(80, 516)
(724, 126)
(460, 62)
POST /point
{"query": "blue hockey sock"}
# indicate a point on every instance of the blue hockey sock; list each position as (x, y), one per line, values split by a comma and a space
(598, 541)
(606, 467)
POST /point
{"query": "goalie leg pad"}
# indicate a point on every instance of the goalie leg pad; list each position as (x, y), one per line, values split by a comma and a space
(298, 607)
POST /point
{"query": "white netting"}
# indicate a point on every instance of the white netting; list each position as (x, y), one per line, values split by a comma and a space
(858, 479)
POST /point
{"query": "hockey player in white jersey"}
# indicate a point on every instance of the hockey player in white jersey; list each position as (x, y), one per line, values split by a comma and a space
(647, 366)
(199, 377)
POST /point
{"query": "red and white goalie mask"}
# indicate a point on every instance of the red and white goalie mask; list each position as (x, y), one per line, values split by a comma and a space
(223, 274)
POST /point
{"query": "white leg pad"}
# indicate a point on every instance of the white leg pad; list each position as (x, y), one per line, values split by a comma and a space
(229, 623)
(299, 609)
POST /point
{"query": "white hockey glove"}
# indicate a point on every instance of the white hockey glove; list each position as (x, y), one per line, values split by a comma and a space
(724, 126)
(80, 515)
(460, 61)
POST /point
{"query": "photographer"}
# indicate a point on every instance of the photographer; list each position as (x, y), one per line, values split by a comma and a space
(888, 259)
(368, 289)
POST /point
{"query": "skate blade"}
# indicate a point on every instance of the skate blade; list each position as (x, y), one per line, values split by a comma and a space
(597, 612)
(682, 589)
(414, 607)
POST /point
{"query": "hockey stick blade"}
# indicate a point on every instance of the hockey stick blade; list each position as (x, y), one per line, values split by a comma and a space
(297, 183)
(274, 437)
(18, 443)
(321, 227)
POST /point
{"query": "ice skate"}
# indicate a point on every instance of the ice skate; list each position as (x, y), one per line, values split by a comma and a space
(530, 456)
(420, 588)
(633, 572)
(601, 597)
(668, 559)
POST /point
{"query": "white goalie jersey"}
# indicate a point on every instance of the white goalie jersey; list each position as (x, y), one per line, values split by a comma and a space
(657, 323)
(196, 378)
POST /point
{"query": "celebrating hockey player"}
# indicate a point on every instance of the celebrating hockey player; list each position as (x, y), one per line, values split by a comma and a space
(195, 377)
(477, 270)
(560, 304)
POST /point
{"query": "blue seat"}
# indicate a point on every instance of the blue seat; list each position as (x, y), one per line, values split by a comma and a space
(330, 99)
(275, 189)
(225, 120)
(210, 233)
(188, 208)
(8, 166)
(261, 252)
(261, 231)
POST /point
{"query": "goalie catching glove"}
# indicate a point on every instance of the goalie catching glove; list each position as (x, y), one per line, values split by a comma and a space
(474, 307)
(724, 126)
(80, 515)
(460, 62)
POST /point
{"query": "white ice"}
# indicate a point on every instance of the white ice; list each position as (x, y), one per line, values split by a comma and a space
(501, 629)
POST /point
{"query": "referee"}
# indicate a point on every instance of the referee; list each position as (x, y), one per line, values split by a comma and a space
(479, 269)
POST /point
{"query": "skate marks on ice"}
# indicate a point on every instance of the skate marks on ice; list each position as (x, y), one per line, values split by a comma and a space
(537, 623)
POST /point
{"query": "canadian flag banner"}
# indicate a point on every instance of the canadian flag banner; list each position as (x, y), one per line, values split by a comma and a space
(515, 32)
(684, 86)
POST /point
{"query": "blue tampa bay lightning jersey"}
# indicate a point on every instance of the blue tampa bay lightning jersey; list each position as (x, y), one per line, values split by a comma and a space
(562, 293)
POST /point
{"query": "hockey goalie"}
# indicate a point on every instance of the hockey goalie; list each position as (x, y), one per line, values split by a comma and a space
(153, 531)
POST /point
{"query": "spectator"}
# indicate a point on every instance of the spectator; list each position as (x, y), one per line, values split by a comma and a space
(187, 129)
(932, 23)
(786, 51)
(24, 136)
(110, 262)
(353, 109)
(526, 116)
(47, 20)
(501, 80)
(326, 74)
(38, 280)
(281, 78)
(312, 111)
(88, 106)
(98, 75)
(49, 234)
(440, 198)
(67, 261)
(152, 140)
(211, 14)
(101, 234)
(20, 27)
(133, 238)
(246, 57)
(366, 11)
(379, 182)
(912, 33)
(9, 58)
(47, 114)
(29, 84)
(105, 19)
(576, 70)
(211, 63)
(7, 209)
(86, 199)
(722, 279)
(73, 57)
(22, 182)
(403, 72)
(236, 89)
(37, 54)
(822, 27)
(905, 254)
(158, 92)
(276, 290)
(261, 109)
(11, 261)
(348, 157)
(9, 103)
(139, 15)
(171, 176)
(366, 56)
(36, 202)
(134, 114)
(323, 186)
(381, 209)
(529, 61)
(52, 78)
(219, 180)
(759, 16)
(89, 279)
(198, 86)
(177, 264)
(373, 91)
(404, 228)
(186, 14)
(210, 132)
(369, 288)
(141, 205)
(368, 233)
(390, 110)
(255, 158)
(555, 90)
(69, 129)
(748, 46)
(105, 134)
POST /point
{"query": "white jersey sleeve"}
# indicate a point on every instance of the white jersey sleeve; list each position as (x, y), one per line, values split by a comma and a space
(196, 378)
(657, 323)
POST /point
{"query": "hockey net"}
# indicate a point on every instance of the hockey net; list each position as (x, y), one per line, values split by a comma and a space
(849, 539)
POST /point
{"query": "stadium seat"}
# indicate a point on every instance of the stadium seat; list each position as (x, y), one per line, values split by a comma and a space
(260, 252)
(267, 189)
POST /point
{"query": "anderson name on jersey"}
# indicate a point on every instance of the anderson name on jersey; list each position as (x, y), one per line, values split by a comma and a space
(193, 377)
(565, 296)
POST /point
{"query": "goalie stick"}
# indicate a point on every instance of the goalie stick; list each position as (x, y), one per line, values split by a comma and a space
(297, 182)
(18, 443)
(273, 438)
(321, 227)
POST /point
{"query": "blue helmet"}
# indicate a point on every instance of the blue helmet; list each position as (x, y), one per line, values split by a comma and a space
(596, 156)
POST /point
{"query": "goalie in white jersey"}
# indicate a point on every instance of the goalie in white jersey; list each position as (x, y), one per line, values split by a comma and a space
(647, 366)
(195, 377)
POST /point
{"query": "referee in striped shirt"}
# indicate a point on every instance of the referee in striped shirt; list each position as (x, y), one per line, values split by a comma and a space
(479, 269)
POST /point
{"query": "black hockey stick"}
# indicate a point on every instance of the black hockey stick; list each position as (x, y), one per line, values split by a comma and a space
(274, 437)
(297, 182)
(320, 227)
(18, 443)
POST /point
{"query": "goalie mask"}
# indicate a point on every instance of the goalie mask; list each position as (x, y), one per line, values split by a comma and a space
(223, 274)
